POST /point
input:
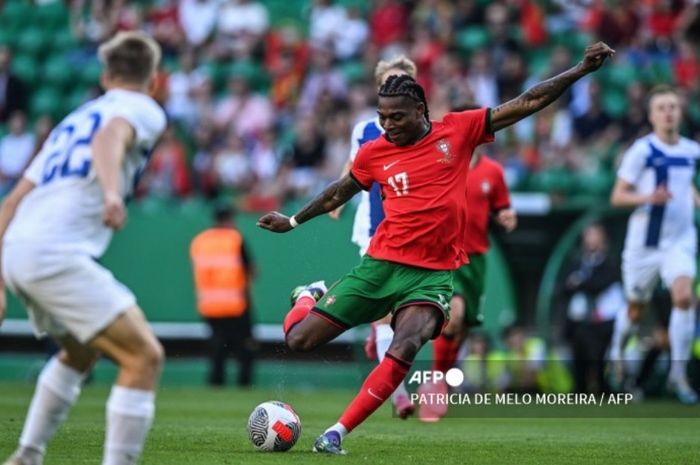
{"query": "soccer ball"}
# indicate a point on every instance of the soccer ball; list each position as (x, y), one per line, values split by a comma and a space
(274, 426)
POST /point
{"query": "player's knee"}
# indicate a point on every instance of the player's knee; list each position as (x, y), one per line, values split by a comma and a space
(682, 300)
(151, 358)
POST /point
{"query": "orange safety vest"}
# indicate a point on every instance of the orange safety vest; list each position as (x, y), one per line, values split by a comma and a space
(219, 275)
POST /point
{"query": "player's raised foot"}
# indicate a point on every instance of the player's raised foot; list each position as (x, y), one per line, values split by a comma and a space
(684, 393)
(329, 443)
(316, 290)
(433, 406)
(404, 407)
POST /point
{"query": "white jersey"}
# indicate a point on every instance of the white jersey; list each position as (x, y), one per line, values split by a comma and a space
(650, 163)
(370, 211)
(63, 213)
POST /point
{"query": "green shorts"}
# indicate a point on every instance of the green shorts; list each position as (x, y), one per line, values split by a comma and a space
(469, 282)
(376, 287)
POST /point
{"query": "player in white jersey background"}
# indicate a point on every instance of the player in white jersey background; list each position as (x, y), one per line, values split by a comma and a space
(370, 213)
(56, 224)
(656, 177)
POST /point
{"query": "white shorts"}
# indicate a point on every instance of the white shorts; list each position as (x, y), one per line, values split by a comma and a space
(64, 293)
(641, 268)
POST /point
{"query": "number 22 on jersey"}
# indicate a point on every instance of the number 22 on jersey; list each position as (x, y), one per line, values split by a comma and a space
(70, 149)
(399, 182)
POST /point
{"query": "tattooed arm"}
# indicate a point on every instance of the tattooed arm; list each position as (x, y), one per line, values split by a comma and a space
(544, 93)
(331, 198)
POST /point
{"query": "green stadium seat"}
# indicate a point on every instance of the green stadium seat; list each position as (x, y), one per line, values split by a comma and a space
(17, 15)
(614, 102)
(63, 40)
(57, 72)
(90, 74)
(76, 98)
(32, 41)
(47, 101)
(472, 38)
(622, 75)
(354, 71)
(53, 16)
(256, 76)
(553, 181)
(24, 66)
(6, 37)
(282, 11)
(599, 183)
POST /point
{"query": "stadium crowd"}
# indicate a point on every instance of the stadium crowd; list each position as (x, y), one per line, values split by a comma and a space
(262, 96)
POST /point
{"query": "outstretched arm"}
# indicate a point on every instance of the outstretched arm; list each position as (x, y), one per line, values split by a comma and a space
(331, 198)
(544, 93)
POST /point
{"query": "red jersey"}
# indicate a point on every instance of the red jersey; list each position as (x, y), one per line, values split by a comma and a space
(423, 188)
(486, 192)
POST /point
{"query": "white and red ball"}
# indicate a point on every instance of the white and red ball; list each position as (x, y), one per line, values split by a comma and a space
(274, 426)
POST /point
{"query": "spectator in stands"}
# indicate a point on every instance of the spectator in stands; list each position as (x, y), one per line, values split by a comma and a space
(323, 79)
(350, 40)
(525, 358)
(593, 292)
(223, 271)
(482, 80)
(232, 164)
(13, 94)
(388, 23)
(168, 175)
(243, 111)
(205, 179)
(198, 20)
(240, 28)
(325, 22)
(181, 85)
(595, 120)
(95, 27)
(165, 26)
(16, 150)
(484, 370)
(304, 160)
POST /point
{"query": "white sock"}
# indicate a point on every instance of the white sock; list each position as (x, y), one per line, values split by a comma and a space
(384, 337)
(338, 428)
(681, 329)
(129, 416)
(620, 332)
(57, 389)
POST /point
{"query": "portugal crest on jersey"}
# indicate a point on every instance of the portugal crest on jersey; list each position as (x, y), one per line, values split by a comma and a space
(443, 146)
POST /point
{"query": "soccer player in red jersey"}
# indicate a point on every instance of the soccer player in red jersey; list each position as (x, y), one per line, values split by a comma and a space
(408, 268)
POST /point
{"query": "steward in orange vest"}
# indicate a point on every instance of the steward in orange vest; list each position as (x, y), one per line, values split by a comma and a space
(222, 274)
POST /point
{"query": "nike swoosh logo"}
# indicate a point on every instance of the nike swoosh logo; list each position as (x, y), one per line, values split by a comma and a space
(386, 167)
(369, 391)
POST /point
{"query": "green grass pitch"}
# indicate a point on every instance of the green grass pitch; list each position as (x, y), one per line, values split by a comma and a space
(198, 426)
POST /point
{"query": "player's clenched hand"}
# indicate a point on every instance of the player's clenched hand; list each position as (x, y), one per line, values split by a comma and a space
(275, 222)
(660, 196)
(114, 213)
(508, 219)
(595, 55)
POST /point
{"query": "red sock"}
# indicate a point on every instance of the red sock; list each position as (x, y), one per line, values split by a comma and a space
(445, 353)
(298, 312)
(377, 388)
